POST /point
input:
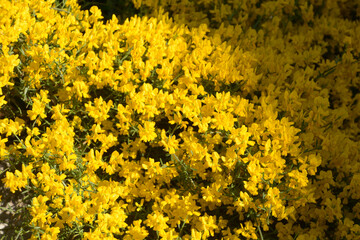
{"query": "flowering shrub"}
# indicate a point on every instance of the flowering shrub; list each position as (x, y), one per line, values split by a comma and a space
(233, 120)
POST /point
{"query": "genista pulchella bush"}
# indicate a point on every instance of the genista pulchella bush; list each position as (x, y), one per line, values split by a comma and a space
(201, 120)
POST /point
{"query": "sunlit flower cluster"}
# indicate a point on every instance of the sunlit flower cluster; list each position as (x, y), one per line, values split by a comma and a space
(204, 119)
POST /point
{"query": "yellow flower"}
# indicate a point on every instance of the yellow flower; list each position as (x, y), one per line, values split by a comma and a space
(248, 231)
(170, 143)
(298, 179)
(207, 225)
(314, 162)
(15, 127)
(38, 106)
(169, 235)
(19, 179)
(39, 211)
(136, 232)
(81, 89)
(147, 133)
(100, 109)
(2, 101)
(157, 221)
(223, 121)
(50, 233)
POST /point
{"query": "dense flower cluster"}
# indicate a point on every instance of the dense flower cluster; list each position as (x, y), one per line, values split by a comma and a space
(229, 119)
